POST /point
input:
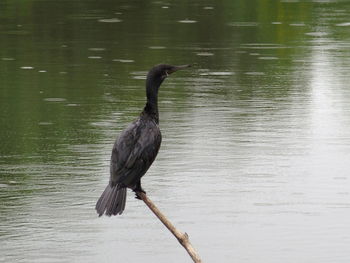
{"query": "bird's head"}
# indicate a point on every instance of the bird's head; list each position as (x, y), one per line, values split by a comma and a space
(160, 72)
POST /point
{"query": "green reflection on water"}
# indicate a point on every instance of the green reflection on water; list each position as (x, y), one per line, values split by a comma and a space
(61, 69)
(61, 66)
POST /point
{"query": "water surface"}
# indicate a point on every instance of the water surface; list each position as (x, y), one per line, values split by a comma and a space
(254, 163)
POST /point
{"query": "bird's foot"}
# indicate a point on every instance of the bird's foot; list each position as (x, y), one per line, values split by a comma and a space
(137, 191)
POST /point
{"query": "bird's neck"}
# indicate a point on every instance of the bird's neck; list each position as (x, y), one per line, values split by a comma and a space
(151, 107)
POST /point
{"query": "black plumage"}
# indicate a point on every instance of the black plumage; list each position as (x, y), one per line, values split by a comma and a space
(136, 147)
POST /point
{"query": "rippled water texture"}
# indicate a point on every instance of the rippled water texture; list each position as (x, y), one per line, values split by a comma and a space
(254, 163)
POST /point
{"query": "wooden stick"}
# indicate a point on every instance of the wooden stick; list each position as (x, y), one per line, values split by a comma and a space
(181, 237)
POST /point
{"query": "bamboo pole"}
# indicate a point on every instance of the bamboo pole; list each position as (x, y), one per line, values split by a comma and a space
(181, 237)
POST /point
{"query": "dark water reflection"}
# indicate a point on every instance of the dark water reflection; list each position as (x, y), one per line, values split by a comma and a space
(254, 160)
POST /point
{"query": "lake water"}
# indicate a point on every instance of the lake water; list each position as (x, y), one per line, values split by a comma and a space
(254, 163)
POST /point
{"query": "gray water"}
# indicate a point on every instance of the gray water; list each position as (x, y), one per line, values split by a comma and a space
(256, 135)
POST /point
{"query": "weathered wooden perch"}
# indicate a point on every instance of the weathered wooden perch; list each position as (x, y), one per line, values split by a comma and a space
(181, 237)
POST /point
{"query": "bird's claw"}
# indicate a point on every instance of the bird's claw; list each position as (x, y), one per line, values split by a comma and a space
(137, 193)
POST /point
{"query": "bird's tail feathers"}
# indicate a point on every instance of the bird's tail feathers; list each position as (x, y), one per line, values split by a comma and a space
(112, 201)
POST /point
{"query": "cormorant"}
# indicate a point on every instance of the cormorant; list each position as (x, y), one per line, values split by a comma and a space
(136, 148)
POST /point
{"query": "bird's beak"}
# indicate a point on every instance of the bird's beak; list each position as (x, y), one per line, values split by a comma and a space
(176, 68)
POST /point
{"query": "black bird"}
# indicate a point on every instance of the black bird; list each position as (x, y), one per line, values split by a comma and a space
(136, 148)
